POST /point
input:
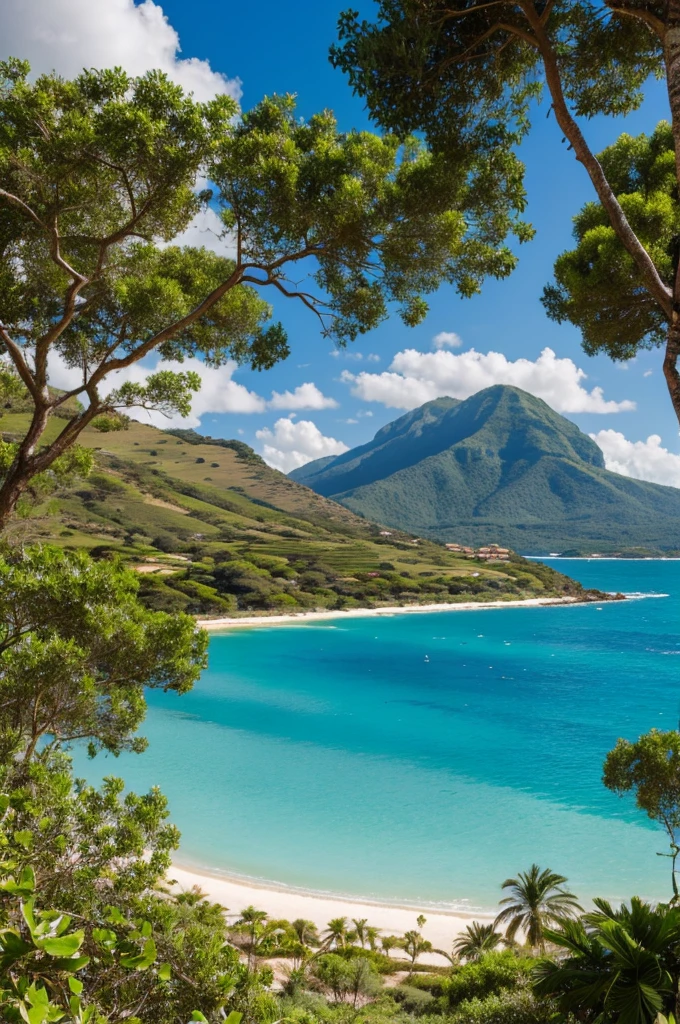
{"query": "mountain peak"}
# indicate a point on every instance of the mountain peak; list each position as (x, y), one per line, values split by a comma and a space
(500, 463)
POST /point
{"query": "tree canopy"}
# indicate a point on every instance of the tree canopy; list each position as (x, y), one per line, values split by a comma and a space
(598, 286)
(465, 74)
(99, 179)
(77, 650)
(650, 768)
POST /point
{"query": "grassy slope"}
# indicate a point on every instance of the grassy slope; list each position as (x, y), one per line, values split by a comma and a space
(224, 532)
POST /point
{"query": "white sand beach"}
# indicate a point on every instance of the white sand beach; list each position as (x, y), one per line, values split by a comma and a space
(234, 894)
(228, 622)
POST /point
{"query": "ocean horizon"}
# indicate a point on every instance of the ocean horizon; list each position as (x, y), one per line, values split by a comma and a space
(422, 759)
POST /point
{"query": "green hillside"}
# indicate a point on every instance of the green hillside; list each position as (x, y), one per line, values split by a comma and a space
(213, 530)
(500, 467)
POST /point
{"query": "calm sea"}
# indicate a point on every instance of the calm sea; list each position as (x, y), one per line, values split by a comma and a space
(424, 757)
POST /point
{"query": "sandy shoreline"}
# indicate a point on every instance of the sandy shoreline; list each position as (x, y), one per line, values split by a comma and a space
(234, 894)
(229, 622)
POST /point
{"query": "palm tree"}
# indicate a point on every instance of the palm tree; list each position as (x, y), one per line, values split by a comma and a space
(306, 931)
(336, 933)
(250, 922)
(414, 944)
(389, 942)
(372, 937)
(473, 943)
(620, 965)
(360, 929)
(537, 901)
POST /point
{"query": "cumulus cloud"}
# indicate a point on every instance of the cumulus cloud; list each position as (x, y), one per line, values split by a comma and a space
(218, 394)
(305, 396)
(447, 339)
(643, 460)
(206, 230)
(290, 445)
(68, 35)
(417, 377)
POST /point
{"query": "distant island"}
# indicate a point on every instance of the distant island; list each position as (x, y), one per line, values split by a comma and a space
(501, 467)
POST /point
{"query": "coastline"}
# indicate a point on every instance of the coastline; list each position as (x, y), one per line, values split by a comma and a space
(234, 894)
(231, 621)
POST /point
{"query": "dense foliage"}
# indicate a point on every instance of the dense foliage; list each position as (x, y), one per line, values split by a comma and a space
(99, 179)
(598, 286)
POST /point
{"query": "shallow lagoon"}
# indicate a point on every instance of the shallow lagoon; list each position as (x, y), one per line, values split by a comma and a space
(424, 757)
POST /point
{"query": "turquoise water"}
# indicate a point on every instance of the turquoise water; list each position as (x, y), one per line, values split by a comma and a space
(335, 757)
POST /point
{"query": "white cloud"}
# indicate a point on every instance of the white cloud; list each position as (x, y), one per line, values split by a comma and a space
(348, 353)
(643, 460)
(68, 35)
(218, 394)
(372, 357)
(305, 396)
(447, 339)
(290, 445)
(417, 377)
(648, 373)
(206, 230)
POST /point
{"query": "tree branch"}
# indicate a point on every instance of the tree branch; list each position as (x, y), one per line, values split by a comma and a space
(656, 24)
(22, 206)
(657, 288)
(17, 357)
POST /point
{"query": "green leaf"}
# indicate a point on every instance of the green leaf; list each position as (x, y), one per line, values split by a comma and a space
(114, 916)
(165, 972)
(70, 964)
(197, 1015)
(234, 1018)
(75, 986)
(24, 838)
(62, 945)
(141, 961)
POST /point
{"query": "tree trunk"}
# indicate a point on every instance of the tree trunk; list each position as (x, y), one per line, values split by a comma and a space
(21, 472)
(672, 62)
(670, 363)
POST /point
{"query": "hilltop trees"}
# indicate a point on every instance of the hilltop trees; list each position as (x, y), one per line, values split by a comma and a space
(464, 73)
(98, 182)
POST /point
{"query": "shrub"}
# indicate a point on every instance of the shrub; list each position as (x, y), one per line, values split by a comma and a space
(413, 999)
(506, 1008)
(488, 976)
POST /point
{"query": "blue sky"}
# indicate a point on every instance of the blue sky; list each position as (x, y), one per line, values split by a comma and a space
(275, 47)
(288, 52)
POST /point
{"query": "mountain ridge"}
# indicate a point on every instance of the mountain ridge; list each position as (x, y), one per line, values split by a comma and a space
(499, 466)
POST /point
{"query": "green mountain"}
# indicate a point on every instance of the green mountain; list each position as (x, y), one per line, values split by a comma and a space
(211, 530)
(500, 467)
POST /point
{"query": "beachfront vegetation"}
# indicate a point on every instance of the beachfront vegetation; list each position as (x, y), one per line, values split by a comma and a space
(93, 931)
